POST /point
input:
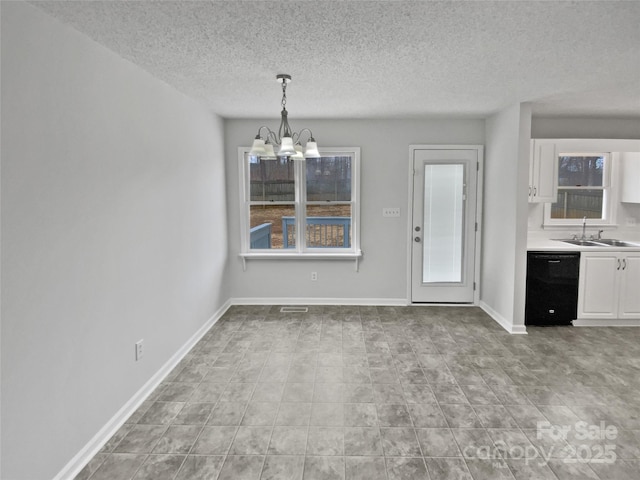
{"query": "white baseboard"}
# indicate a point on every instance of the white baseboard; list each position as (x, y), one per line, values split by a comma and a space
(618, 322)
(503, 322)
(384, 302)
(80, 460)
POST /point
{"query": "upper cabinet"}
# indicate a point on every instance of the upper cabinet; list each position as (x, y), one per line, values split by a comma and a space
(630, 177)
(543, 171)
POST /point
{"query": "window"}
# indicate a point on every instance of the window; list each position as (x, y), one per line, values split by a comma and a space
(281, 198)
(583, 189)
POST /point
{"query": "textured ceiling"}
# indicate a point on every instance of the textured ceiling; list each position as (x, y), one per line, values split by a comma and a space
(379, 59)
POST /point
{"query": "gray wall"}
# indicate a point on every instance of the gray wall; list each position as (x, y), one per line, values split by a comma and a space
(113, 230)
(505, 215)
(384, 183)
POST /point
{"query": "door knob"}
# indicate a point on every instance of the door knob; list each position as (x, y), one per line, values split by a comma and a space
(417, 229)
(417, 239)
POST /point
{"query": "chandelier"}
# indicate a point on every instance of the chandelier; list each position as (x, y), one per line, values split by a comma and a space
(288, 142)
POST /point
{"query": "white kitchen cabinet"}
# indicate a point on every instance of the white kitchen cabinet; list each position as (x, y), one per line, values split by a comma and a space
(543, 172)
(608, 285)
(630, 178)
(629, 306)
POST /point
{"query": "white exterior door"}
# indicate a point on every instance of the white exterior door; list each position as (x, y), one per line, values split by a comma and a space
(443, 229)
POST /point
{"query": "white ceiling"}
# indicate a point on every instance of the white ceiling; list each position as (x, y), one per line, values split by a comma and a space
(379, 59)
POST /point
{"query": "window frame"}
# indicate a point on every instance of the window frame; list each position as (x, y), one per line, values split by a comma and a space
(301, 250)
(608, 201)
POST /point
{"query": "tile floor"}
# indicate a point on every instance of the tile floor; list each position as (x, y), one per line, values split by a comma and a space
(385, 393)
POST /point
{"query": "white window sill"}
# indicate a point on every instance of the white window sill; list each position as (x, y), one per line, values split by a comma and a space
(301, 256)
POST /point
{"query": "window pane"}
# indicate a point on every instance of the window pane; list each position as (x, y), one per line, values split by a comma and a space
(580, 171)
(578, 203)
(272, 226)
(272, 180)
(443, 226)
(328, 226)
(329, 178)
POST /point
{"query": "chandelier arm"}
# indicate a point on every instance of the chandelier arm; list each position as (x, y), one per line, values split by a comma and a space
(273, 137)
(269, 136)
(259, 135)
(299, 134)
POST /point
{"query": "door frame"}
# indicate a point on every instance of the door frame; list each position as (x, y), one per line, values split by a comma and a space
(479, 196)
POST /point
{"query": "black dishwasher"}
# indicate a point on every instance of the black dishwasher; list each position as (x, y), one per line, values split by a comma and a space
(552, 288)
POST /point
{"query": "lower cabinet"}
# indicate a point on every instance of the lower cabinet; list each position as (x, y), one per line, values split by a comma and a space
(629, 306)
(609, 286)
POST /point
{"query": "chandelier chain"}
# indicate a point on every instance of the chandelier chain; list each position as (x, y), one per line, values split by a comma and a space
(284, 93)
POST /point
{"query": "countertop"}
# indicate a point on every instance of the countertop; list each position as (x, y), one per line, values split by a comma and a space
(540, 244)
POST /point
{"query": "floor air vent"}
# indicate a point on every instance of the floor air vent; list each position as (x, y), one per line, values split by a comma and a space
(294, 309)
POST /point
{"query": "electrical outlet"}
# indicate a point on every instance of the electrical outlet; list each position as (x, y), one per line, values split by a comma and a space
(139, 349)
(314, 276)
(391, 212)
(631, 221)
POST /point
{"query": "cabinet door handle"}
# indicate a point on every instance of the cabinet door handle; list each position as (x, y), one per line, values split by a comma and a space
(535, 191)
(529, 190)
(618, 265)
(624, 263)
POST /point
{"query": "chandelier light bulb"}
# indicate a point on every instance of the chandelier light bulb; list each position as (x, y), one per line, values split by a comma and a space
(286, 147)
(298, 155)
(257, 149)
(269, 153)
(312, 149)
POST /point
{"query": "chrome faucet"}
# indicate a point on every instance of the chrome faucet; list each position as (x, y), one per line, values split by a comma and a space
(584, 226)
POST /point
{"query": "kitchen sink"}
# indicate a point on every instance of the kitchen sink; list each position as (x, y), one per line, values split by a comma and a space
(616, 243)
(584, 243)
(602, 242)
